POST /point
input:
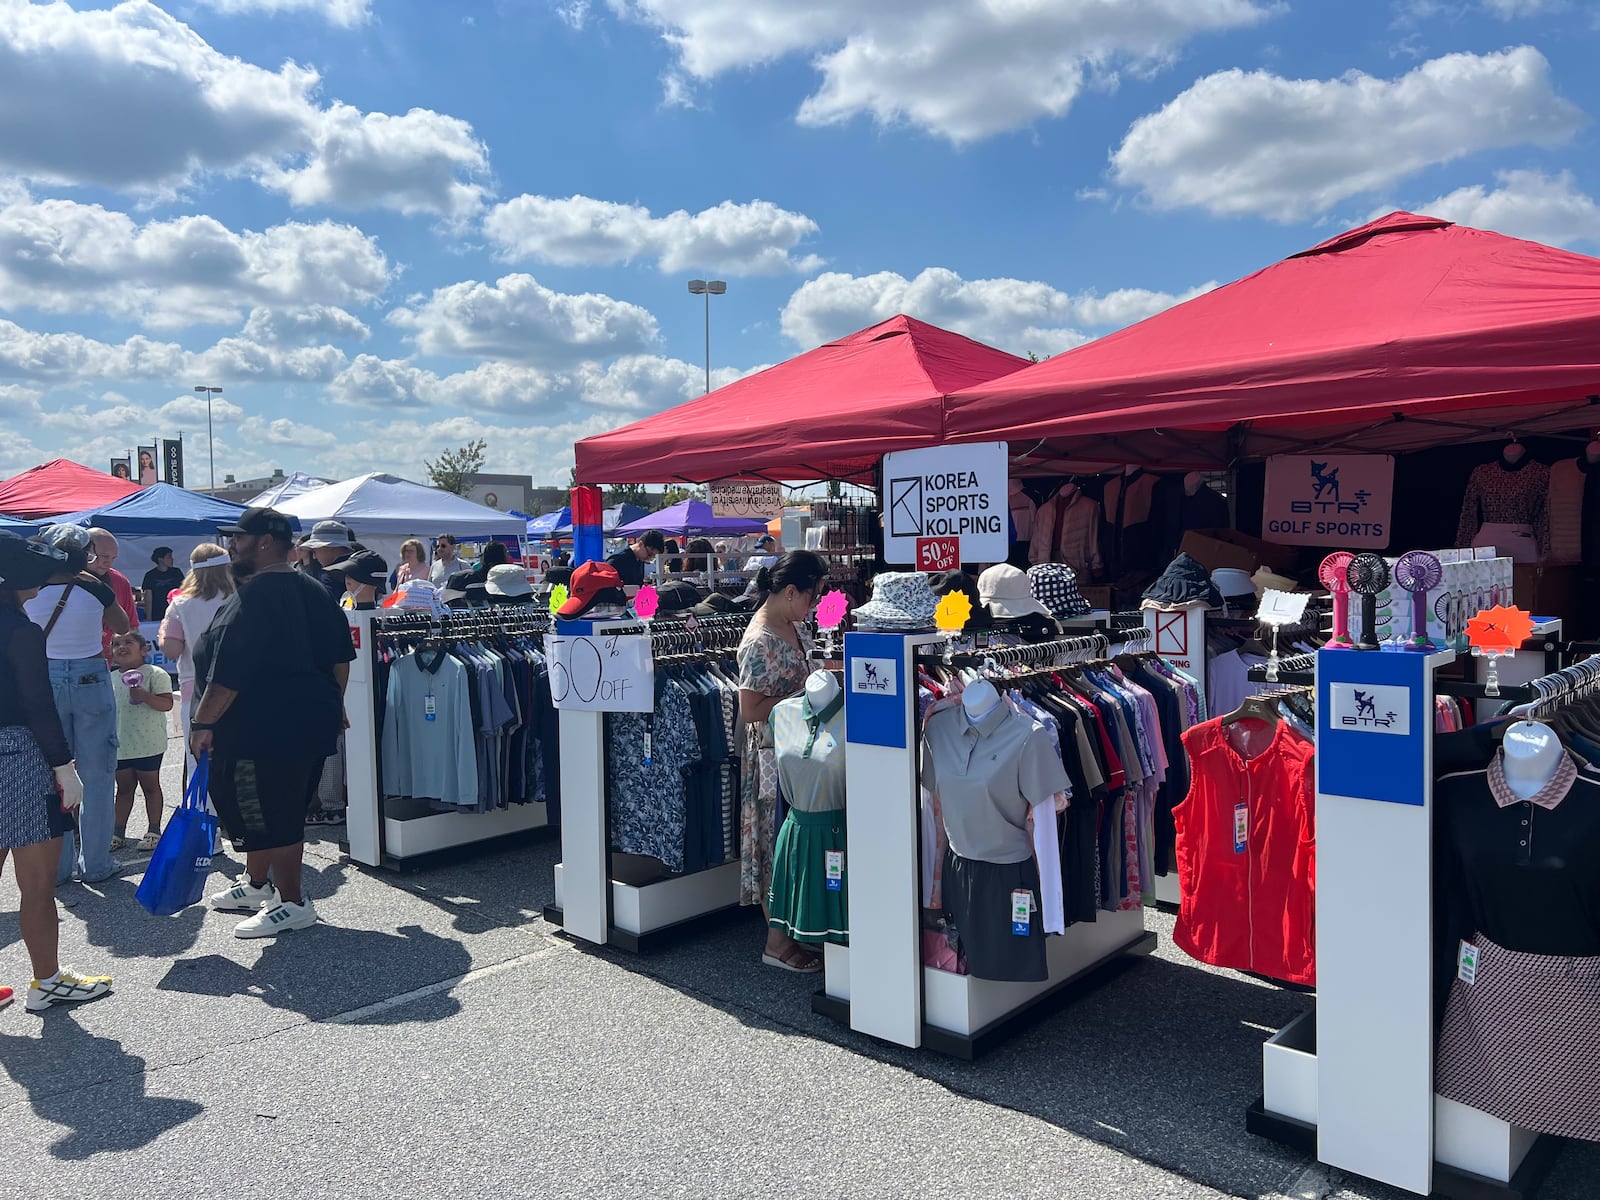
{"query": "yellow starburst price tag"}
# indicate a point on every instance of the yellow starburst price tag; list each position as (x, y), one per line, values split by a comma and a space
(558, 597)
(953, 613)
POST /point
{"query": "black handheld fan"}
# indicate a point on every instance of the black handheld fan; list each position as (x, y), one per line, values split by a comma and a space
(1368, 575)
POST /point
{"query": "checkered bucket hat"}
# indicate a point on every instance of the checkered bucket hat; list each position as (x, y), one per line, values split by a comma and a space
(1055, 585)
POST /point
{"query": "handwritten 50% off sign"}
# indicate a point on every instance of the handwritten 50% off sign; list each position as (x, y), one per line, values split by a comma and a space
(602, 673)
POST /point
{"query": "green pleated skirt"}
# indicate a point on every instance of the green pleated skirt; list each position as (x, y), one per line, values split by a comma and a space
(800, 902)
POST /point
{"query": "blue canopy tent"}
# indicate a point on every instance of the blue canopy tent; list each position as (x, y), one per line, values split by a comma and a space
(610, 519)
(543, 528)
(688, 518)
(18, 527)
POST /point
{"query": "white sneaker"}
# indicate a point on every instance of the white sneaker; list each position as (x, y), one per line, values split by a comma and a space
(244, 896)
(278, 917)
(67, 987)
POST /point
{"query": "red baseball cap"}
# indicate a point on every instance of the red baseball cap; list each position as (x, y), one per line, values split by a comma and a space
(589, 586)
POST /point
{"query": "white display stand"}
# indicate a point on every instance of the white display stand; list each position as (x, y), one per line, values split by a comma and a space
(1354, 1082)
(1180, 638)
(385, 833)
(590, 904)
(878, 984)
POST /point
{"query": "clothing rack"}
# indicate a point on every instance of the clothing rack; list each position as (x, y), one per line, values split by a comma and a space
(1097, 644)
(708, 634)
(381, 832)
(1559, 687)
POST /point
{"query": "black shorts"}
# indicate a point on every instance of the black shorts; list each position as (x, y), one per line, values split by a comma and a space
(263, 802)
(977, 897)
(153, 763)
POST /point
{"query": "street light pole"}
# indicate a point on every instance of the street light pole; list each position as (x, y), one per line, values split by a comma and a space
(708, 289)
(211, 446)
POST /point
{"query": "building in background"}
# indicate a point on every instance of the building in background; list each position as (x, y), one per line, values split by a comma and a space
(502, 492)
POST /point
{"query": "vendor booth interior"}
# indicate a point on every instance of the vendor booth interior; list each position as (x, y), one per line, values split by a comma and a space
(1215, 612)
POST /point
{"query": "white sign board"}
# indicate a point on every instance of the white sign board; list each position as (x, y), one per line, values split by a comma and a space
(873, 676)
(602, 673)
(1340, 500)
(947, 492)
(1282, 608)
(760, 501)
(1371, 708)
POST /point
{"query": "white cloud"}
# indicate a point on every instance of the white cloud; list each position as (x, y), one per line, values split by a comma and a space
(421, 162)
(260, 431)
(518, 319)
(1242, 142)
(961, 69)
(131, 98)
(240, 359)
(303, 326)
(374, 382)
(545, 451)
(345, 13)
(1527, 204)
(62, 256)
(1017, 315)
(55, 358)
(1511, 10)
(736, 239)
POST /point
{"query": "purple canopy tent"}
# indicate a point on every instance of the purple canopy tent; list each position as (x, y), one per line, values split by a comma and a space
(688, 518)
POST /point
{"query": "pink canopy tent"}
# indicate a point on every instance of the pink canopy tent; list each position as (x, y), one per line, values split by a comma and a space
(830, 413)
(1404, 333)
(60, 486)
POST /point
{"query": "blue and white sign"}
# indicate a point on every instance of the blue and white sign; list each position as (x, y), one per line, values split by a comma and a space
(1373, 723)
(877, 711)
(1371, 709)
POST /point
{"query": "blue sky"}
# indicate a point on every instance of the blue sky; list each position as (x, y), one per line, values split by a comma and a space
(385, 227)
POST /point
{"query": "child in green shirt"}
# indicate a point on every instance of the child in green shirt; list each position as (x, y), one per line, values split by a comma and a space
(142, 710)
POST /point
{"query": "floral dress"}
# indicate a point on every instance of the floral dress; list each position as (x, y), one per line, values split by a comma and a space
(770, 665)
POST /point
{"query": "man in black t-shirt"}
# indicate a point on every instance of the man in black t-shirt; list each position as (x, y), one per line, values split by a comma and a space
(159, 583)
(630, 563)
(272, 668)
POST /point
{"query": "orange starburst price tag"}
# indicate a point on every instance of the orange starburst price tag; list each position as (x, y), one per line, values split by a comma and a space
(953, 612)
(1499, 630)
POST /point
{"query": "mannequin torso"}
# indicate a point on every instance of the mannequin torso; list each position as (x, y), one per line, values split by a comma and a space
(1532, 752)
(979, 699)
(821, 688)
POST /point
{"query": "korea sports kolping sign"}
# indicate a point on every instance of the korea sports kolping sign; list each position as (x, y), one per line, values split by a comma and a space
(947, 492)
(1342, 500)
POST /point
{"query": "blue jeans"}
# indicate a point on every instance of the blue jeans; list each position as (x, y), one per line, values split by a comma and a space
(88, 710)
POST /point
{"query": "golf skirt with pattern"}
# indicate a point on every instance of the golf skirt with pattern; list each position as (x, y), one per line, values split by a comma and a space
(800, 903)
(1522, 1042)
(30, 806)
(262, 802)
(977, 898)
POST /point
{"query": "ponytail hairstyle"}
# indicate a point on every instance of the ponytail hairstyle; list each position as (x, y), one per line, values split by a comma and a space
(800, 569)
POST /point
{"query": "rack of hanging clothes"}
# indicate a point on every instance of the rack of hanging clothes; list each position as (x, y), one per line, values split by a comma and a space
(673, 775)
(464, 745)
(650, 831)
(1117, 724)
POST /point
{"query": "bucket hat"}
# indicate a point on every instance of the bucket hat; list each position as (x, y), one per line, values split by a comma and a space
(330, 533)
(900, 600)
(508, 580)
(1005, 589)
(1055, 585)
(1184, 582)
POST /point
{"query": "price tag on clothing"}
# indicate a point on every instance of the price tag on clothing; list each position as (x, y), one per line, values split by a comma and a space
(430, 708)
(648, 742)
(1241, 827)
(835, 868)
(1467, 962)
(1021, 912)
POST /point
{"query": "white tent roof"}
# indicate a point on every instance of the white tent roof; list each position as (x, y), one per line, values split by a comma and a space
(295, 485)
(377, 505)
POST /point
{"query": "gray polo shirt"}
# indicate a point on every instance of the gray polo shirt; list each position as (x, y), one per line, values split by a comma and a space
(987, 776)
(810, 751)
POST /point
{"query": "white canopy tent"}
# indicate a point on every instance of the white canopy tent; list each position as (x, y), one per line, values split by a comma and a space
(385, 510)
(294, 485)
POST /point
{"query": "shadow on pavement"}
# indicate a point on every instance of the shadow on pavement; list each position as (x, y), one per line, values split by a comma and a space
(317, 972)
(55, 1071)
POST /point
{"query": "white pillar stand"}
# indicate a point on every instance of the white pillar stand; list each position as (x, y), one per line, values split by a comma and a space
(1180, 638)
(878, 983)
(363, 814)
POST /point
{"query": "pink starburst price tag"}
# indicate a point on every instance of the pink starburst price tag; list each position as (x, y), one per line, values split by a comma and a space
(831, 610)
(646, 602)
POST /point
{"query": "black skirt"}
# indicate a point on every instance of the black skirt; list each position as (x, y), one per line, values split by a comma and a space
(30, 806)
(978, 900)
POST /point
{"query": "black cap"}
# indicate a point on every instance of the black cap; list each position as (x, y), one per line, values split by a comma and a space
(677, 596)
(715, 605)
(365, 567)
(262, 521)
(26, 564)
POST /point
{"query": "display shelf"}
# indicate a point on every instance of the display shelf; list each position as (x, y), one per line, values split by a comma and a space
(646, 916)
(966, 1018)
(408, 837)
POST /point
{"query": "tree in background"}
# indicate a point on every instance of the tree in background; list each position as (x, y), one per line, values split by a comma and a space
(453, 469)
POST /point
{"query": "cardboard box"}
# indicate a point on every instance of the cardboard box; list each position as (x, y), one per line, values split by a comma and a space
(1218, 548)
(1546, 591)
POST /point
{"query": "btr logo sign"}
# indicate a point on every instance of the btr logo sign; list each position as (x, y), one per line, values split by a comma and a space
(1371, 708)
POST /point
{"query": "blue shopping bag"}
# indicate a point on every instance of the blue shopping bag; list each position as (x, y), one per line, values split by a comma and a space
(176, 876)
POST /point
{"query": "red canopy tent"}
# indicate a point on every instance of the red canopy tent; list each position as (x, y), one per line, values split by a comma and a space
(60, 486)
(830, 413)
(1401, 334)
